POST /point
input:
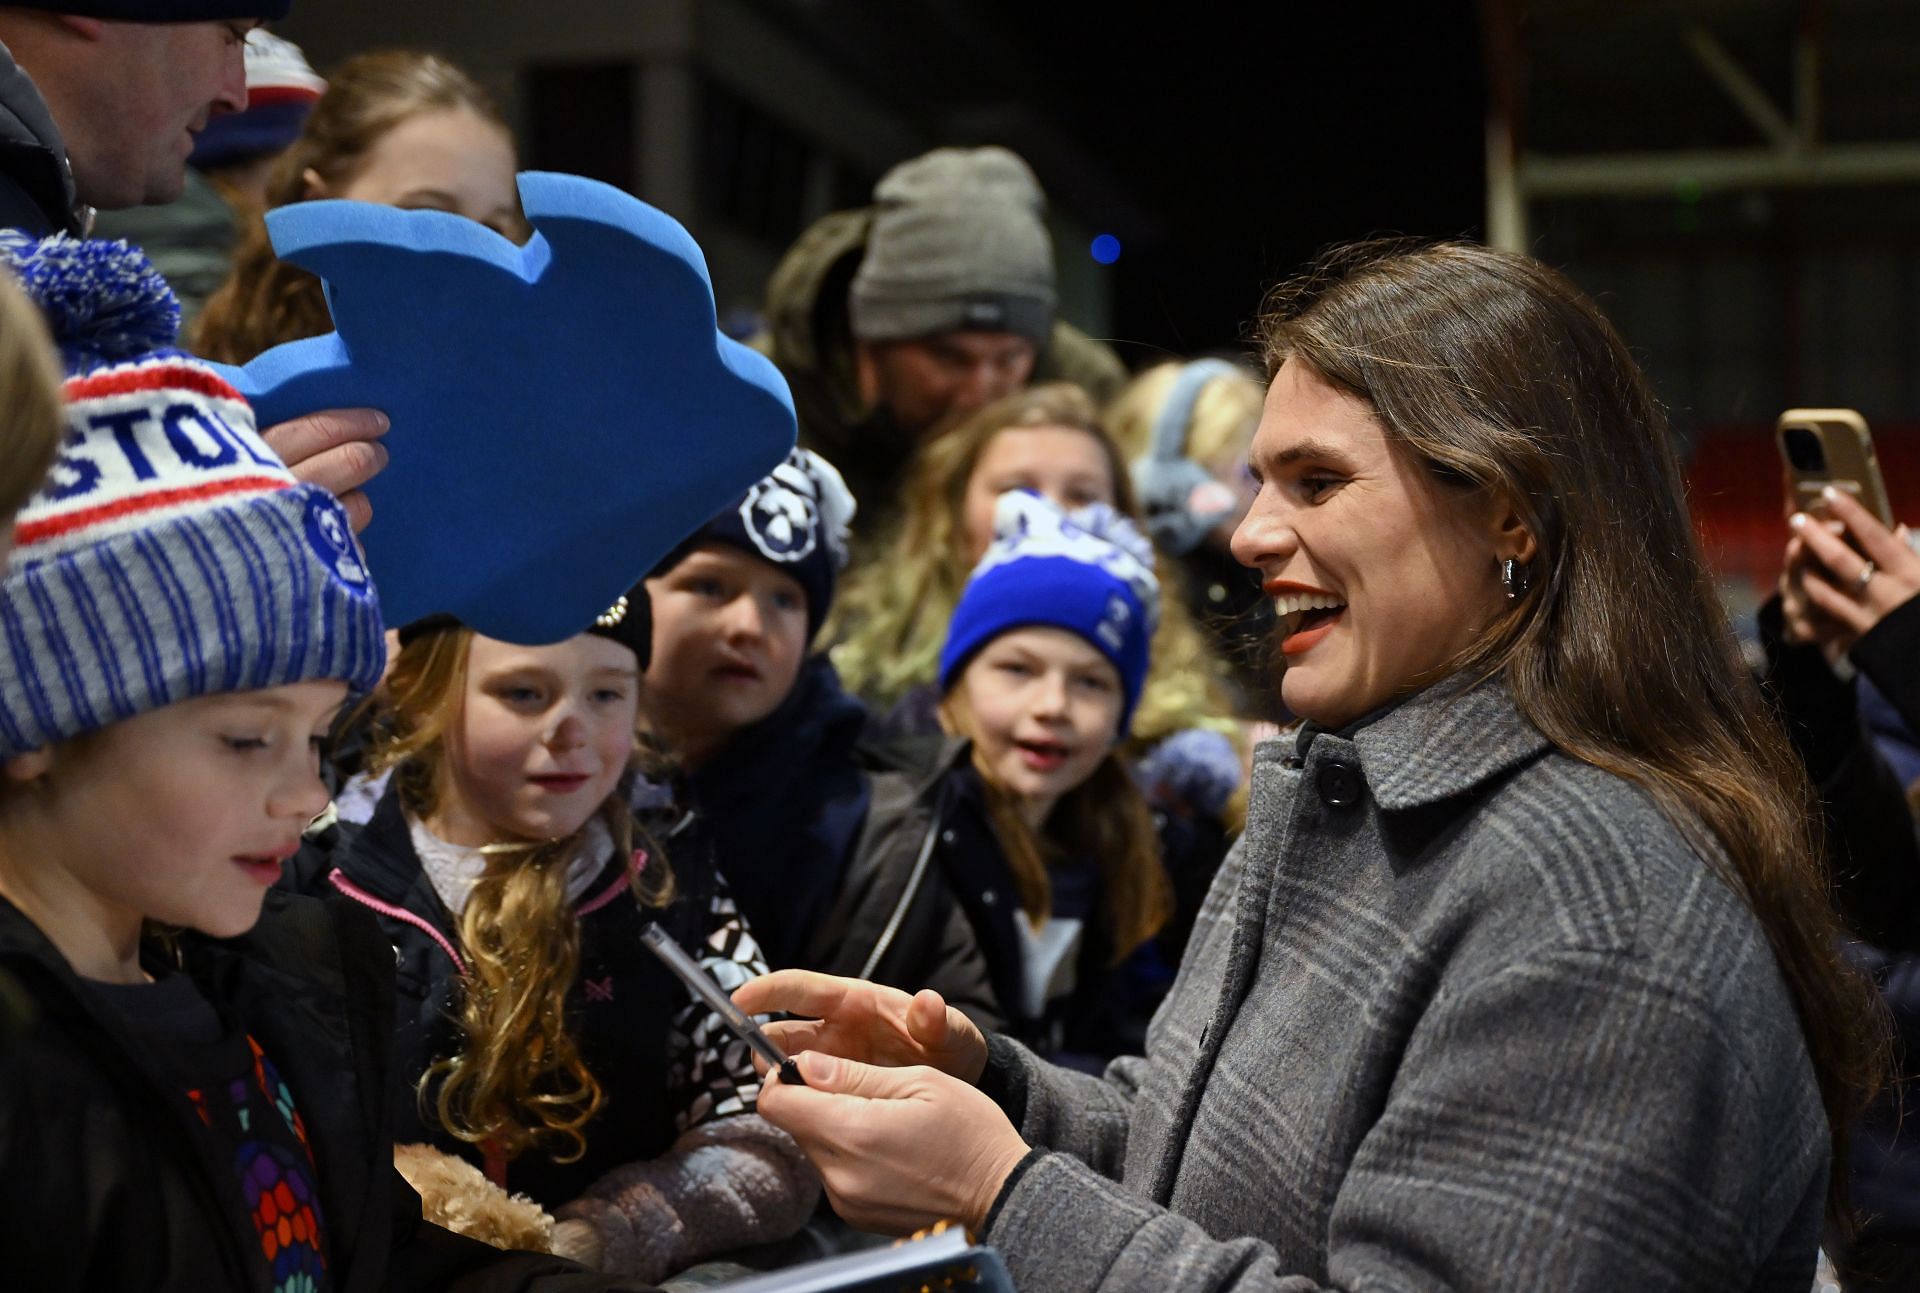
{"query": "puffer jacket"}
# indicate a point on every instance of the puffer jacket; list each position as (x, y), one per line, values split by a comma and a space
(623, 1007)
(106, 1182)
(808, 336)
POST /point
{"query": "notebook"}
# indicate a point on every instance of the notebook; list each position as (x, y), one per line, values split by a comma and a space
(942, 1261)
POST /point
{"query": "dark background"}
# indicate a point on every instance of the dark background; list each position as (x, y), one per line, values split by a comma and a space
(1249, 137)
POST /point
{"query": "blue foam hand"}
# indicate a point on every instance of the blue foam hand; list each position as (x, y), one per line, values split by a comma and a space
(564, 413)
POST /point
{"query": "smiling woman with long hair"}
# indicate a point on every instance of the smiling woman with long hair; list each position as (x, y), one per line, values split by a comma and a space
(1523, 975)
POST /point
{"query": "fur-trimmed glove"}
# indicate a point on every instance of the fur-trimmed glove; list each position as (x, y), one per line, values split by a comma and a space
(724, 1185)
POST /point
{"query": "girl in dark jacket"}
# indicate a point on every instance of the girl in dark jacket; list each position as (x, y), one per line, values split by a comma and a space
(838, 852)
(205, 1109)
(537, 1036)
(1044, 663)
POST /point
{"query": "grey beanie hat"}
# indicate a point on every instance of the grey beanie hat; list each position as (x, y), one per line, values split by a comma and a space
(959, 241)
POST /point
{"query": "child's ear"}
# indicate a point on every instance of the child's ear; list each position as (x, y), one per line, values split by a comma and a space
(312, 187)
(32, 766)
(86, 28)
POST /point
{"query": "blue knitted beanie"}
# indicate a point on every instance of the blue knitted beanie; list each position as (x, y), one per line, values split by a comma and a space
(1089, 572)
(170, 554)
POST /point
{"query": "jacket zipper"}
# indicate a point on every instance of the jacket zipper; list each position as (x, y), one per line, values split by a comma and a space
(338, 879)
(907, 895)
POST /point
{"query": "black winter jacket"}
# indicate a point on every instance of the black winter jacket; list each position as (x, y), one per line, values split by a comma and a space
(1875, 857)
(36, 185)
(838, 852)
(105, 1183)
(621, 1008)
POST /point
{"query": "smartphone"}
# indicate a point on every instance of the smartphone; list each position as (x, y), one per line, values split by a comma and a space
(701, 984)
(1824, 447)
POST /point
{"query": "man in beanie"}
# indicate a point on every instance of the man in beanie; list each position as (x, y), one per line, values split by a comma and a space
(935, 300)
(100, 105)
(191, 240)
(100, 100)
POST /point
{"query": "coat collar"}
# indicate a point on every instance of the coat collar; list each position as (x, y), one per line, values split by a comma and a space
(1444, 742)
(32, 151)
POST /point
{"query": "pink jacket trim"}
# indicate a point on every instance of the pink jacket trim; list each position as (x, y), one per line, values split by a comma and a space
(339, 880)
(635, 865)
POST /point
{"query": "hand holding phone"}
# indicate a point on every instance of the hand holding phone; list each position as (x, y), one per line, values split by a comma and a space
(701, 984)
(1830, 448)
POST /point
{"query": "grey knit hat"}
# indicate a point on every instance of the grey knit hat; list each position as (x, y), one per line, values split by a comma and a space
(959, 241)
(170, 554)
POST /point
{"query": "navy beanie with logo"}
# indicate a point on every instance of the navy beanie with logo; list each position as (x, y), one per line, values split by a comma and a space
(796, 519)
(169, 554)
(1089, 571)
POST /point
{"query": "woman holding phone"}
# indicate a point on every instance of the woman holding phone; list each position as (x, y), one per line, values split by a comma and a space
(1522, 975)
(1848, 589)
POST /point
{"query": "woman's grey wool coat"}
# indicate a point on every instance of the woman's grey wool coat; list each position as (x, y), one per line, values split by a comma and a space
(1461, 1012)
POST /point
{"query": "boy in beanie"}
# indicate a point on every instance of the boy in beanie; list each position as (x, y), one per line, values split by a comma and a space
(931, 302)
(834, 851)
(179, 624)
(1042, 668)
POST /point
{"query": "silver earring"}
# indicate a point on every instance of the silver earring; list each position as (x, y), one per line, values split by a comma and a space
(1517, 578)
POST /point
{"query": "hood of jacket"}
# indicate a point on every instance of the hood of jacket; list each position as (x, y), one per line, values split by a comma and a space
(36, 184)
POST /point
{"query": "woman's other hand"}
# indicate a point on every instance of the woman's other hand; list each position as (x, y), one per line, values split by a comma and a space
(865, 1022)
(897, 1148)
(1841, 585)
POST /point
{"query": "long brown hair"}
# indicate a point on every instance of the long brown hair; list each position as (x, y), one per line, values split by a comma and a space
(266, 301)
(1494, 371)
(1105, 818)
(518, 1080)
(890, 619)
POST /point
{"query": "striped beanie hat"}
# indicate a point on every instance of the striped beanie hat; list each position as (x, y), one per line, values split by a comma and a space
(281, 91)
(170, 554)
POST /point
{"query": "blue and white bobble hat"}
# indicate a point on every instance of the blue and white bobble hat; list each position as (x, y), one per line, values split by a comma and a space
(1089, 571)
(797, 519)
(170, 554)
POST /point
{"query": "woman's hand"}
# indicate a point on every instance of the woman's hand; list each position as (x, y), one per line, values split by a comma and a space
(898, 1148)
(1840, 585)
(865, 1022)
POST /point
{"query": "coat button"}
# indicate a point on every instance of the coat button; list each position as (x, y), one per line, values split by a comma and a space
(989, 897)
(1340, 784)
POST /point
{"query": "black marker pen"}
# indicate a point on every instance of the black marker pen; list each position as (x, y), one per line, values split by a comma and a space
(701, 984)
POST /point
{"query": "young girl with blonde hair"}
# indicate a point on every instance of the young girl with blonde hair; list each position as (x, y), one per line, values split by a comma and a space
(537, 1036)
(892, 618)
(1185, 428)
(396, 127)
(30, 421)
(1042, 671)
